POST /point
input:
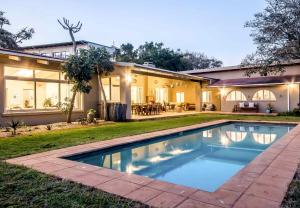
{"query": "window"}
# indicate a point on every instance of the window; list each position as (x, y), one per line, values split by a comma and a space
(236, 96)
(56, 54)
(42, 74)
(180, 97)
(206, 96)
(66, 94)
(18, 72)
(19, 95)
(65, 54)
(264, 95)
(28, 89)
(47, 95)
(136, 94)
(161, 95)
(111, 87)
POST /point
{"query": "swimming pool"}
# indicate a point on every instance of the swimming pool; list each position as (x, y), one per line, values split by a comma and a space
(203, 158)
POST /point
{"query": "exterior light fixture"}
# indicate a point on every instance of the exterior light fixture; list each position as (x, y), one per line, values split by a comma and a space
(128, 78)
(45, 62)
(15, 58)
(223, 92)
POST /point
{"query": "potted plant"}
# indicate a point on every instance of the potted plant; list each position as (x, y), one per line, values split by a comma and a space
(91, 113)
(269, 108)
(179, 107)
(47, 103)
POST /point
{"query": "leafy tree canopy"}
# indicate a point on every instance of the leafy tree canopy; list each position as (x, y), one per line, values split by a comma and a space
(166, 58)
(78, 70)
(276, 32)
(10, 40)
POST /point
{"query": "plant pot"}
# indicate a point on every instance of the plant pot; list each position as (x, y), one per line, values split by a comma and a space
(268, 111)
(178, 109)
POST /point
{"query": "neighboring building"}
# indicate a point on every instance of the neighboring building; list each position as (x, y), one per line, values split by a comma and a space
(230, 86)
(64, 49)
(31, 86)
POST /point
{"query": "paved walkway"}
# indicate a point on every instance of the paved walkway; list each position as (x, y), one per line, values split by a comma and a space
(261, 184)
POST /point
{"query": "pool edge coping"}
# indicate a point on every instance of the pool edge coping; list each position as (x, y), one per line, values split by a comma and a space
(262, 180)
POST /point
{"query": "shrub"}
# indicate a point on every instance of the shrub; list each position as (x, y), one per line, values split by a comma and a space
(14, 125)
(49, 127)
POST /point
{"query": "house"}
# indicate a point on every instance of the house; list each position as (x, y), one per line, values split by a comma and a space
(32, 85)
(230, 87)
(64, 49)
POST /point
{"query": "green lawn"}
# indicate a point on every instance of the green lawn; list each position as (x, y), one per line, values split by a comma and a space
(20, 187)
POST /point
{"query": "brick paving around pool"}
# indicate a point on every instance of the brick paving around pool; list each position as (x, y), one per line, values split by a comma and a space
(261, 184)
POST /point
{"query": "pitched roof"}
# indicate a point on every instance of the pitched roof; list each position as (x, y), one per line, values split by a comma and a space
(274, 80)
(231, 68)
(79, 42)
(29, 55)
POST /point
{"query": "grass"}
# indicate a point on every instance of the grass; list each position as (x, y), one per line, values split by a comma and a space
(292, 198)
(20, 187)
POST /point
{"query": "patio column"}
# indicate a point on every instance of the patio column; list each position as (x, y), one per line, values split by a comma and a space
(125, 85)
(198, 93)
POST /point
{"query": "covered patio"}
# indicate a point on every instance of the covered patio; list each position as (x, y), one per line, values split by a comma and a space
(151, 92)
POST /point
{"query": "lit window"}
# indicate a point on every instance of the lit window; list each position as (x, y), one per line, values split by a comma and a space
(136, 94)
(42, 74)
(264, 95)
(236, 96)
(28, 89)
(161, 95)
(115, 89)
(19, 95)
(206, 96)
(18, 72)
(180, 97)
(66, 94)
(47, 94)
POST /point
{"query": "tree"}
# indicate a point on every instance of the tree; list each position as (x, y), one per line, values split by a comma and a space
(72, 29)
(201, 61)
(166, 58)
(276, 32)
(10, 40)
(78, 71)
(101, 64)
(126, 53)
(77, 67)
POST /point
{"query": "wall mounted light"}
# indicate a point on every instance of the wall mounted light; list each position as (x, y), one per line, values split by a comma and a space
(45, 62)
(15, 58)
(128, 78)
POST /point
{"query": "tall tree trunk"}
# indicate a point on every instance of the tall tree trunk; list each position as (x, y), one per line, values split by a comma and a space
(74, 42)
(104, 96)
(69, 117)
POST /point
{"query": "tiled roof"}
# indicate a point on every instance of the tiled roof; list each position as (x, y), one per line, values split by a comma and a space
(257, 81)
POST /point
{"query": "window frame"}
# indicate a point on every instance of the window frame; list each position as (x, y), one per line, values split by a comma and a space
(263, 96)
(208, 95)
(181, 96)
(235, 99)
(33, 79)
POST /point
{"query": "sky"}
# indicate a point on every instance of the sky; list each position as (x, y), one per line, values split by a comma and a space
(214, 27)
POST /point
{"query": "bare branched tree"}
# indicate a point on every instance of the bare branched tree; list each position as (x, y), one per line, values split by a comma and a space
(72, 28)
(72, 65)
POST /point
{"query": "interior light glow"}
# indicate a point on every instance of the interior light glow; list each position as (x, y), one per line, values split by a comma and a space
(25, 73)
(128, 78)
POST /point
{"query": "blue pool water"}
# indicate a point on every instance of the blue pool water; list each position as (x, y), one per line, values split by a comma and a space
(203, 158)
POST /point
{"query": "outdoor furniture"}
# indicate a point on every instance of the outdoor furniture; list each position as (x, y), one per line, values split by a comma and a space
(210, 107)
(190, 106)
(246, 107)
